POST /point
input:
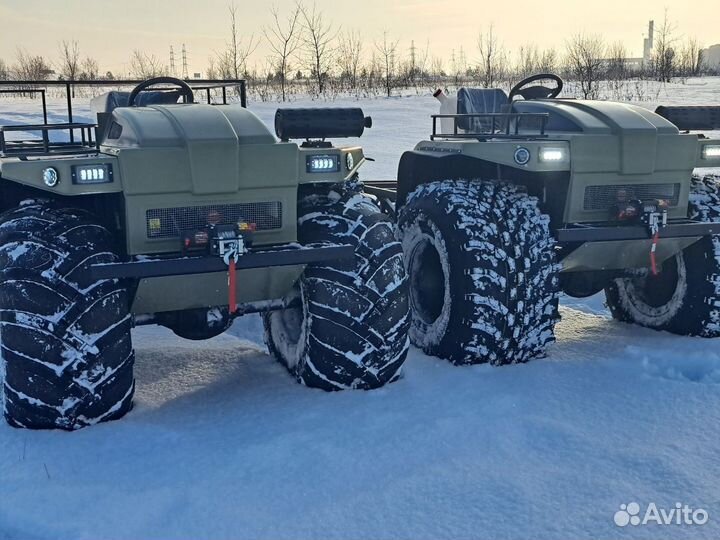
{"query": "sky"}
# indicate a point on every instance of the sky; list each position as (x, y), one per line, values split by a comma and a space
(109, 30)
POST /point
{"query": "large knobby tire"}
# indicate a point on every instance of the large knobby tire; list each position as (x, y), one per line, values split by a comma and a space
(350, 329)
(483, 276)
(684, 297)
(66, 347)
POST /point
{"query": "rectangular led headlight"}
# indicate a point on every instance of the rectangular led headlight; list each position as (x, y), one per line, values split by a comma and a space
(322, 163)
(92, 174)
(711, 151)
(552, 155)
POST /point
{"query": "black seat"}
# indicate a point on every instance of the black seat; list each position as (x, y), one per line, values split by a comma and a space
(481, 101)
(106, 103)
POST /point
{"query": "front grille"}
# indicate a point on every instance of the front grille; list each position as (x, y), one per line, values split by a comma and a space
(170, 222)
(605, 197)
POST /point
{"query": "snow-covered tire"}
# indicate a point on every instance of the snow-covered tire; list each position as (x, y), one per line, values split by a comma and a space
(684, 298)
(484, 282)
(350, 330)
(66, 346)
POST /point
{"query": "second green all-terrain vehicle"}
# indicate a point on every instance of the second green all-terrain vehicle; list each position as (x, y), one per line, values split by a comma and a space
(187, 215)
(516, 198)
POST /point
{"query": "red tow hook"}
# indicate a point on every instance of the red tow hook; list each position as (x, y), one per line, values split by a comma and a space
(653, 265)
(655, 217)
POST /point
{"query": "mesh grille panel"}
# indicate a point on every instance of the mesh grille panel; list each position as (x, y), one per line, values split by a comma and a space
(604, 197)
(170, 222)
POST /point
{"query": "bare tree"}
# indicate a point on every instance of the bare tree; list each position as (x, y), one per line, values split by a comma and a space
(493, 58)
(350, 54)
(387, 50)
(69, 59)
(528, 60)
(663, 60)
(548, 61)
(319, 36)
(31, 68)
(691, 58)
(4, 71)
(585, 62)
(283, 40)
(422, 62)
(90, 70)
(617, 69)
(233, 60)
(146, 66)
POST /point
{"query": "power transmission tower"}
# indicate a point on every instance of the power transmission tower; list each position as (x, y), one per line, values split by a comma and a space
(172, 62)
(185, 64)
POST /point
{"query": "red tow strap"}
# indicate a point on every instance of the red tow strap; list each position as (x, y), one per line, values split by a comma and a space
(653, 265)
(232, 300)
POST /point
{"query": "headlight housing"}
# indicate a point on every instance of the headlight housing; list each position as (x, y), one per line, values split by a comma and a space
(50, 176)
(552, 154)
(325, 163)
(711, 151)
(92, 174)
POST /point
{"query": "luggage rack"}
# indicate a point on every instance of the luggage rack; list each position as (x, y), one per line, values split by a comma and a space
(83, 140)
(494, 126)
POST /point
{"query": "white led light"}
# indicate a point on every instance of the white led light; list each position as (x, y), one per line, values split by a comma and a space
(552, 154)
(711, 151)
(322, 164)
(92, 174)
(50, 177)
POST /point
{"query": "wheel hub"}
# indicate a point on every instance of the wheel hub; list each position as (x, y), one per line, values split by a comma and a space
(427, 287)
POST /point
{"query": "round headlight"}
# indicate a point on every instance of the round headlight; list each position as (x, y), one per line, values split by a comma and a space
(50, 177)
(522, 155)
(349, 161)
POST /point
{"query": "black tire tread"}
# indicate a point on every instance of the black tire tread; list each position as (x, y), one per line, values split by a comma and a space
(503, 275)
(65, 337)
(356, 306)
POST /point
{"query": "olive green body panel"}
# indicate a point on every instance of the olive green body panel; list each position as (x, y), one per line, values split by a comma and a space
(166, 158)
(605, 146)
(174, 293)
(30, 173)
(176, 156)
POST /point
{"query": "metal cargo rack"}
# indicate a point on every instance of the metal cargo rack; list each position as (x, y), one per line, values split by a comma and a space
(493, 126)
(81, 138)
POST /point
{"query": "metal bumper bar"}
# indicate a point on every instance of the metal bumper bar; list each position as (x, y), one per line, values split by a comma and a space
(285, 256)
(591, 233)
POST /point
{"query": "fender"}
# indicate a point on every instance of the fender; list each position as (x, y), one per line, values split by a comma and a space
(417, 168)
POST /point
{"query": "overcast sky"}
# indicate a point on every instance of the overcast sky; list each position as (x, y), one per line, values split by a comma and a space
(110, 29)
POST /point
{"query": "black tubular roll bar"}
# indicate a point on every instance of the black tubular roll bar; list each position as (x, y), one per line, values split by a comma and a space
(499, 126)
(83, 136)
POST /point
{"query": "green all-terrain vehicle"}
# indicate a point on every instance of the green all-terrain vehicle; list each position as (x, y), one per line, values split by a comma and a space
(517, 198)
(187, 215)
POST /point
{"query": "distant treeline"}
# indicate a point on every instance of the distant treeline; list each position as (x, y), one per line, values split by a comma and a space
(309, 55)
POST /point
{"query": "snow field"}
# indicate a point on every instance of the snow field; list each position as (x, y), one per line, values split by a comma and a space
(222, 443)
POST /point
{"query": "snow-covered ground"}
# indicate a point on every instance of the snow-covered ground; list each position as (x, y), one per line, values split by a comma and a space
(223, 444)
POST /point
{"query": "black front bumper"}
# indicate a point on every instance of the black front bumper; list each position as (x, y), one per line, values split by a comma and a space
(586, 232)
(257, 258)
